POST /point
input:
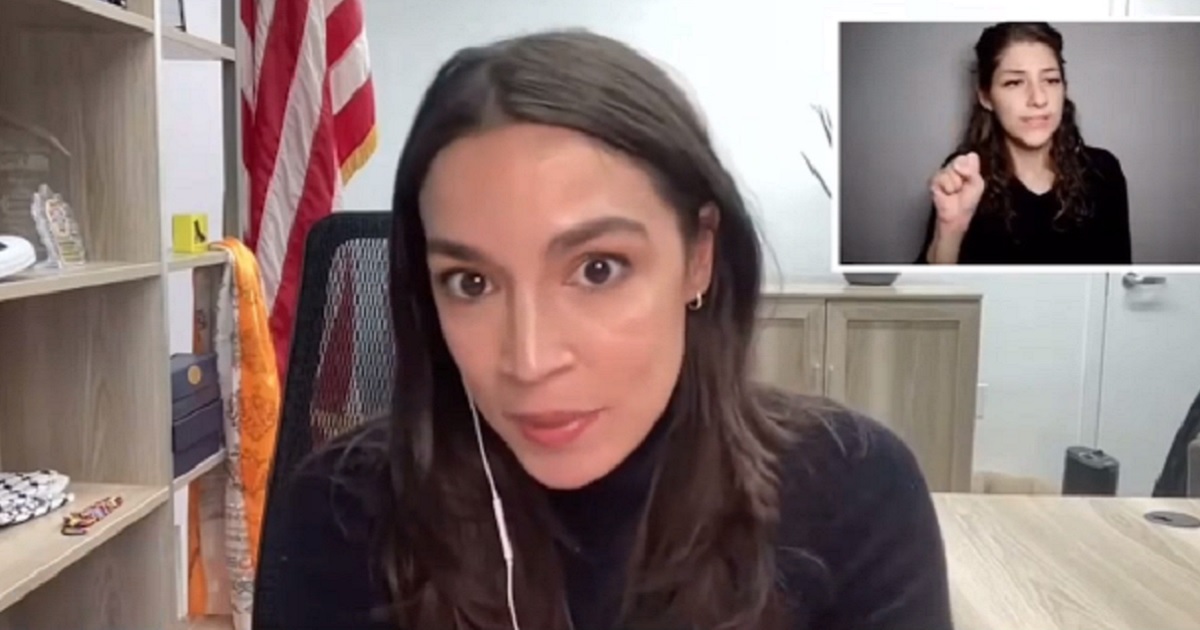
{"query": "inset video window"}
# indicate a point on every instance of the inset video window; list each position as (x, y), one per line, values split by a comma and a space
(1019, 143)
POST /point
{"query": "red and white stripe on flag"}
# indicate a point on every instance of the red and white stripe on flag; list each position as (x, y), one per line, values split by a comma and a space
(308, 125)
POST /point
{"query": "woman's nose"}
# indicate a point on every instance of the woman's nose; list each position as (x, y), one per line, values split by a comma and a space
(535, 343)
(1037, 96)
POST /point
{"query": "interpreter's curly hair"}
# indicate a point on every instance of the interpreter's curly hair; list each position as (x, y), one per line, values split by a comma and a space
(986, 137)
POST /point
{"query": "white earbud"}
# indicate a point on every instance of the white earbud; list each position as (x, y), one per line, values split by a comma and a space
(497, 511)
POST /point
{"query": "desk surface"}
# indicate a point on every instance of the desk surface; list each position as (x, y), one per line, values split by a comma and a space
(1050, 563)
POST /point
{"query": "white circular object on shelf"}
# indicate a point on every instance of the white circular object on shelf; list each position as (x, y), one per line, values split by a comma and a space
(16, 255)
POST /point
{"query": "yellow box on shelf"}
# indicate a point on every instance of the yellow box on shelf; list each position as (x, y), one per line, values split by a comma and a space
(189, 233)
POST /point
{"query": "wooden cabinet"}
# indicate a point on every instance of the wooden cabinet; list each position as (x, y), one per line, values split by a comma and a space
(789, 345)
(906, 356)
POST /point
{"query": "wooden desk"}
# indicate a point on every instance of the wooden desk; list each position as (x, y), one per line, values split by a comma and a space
(1051, 563)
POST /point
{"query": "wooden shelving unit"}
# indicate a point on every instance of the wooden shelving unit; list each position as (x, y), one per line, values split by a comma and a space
(41, 551)
(203, 468)
(37, 282)
(188, 262)
(182, 46)
(84, 383)
(95, 16)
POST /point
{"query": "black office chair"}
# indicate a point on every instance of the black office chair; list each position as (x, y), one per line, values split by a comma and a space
(340, 367)
(1180, 476)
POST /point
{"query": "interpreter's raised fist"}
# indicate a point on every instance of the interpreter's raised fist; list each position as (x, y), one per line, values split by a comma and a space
(957, 189)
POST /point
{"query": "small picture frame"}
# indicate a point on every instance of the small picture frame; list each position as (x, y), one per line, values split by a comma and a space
(174, 14)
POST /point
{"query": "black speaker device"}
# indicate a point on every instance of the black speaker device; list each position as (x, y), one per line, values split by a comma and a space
(1090, 472)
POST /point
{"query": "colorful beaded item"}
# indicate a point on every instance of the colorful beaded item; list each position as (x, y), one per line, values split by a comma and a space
(78, 523)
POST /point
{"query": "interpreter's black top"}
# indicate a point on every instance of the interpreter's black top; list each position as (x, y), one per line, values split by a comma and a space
(852, 497)
(1035, 238)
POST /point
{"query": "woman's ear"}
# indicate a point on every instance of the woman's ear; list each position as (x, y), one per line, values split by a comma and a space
(700, 263)
(984, 101)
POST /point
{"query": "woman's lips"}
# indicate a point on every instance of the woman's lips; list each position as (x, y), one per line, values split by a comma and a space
(553, 429)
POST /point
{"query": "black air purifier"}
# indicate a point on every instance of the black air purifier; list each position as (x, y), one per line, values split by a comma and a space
(1090, 472)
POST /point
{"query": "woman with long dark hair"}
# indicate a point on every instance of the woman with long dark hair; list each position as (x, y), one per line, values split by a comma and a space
(1022, 187)
(575, 442)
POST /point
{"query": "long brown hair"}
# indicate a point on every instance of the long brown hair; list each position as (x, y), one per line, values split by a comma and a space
(986, 137)
(704, 554)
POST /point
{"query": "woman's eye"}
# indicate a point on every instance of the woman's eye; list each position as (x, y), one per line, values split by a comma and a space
(466, 285)
(601, 270)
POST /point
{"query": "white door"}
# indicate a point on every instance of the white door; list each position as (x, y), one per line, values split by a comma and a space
(1151, 356)
(1150, 372)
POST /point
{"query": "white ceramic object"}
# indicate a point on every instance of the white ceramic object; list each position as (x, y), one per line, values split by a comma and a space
(16, 255)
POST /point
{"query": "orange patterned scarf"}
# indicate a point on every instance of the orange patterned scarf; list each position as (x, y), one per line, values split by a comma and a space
(250, 387)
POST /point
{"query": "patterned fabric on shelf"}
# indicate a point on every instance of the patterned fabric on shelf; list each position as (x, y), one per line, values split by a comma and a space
(27, 495)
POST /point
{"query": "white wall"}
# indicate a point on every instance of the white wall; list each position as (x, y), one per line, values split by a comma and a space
(759, 130)
(754, 66)
(190, 132)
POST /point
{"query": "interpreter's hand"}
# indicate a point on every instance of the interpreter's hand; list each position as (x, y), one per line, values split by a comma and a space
(957, 189)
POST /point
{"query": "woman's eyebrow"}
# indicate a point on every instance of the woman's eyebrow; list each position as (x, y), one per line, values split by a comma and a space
(455, 249)
(591, 229)
(565, 240)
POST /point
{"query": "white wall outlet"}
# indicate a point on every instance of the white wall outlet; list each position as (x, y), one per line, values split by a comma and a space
(980, 400)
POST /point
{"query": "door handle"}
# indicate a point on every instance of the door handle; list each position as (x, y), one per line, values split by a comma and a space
(1134, 280)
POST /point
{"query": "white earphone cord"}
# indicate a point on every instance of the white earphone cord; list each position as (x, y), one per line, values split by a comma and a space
(497, 512)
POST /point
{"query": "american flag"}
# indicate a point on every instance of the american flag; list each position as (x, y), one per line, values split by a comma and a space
(308, 125)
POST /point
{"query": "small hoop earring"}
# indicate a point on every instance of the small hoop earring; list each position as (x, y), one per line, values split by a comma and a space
(697, 303)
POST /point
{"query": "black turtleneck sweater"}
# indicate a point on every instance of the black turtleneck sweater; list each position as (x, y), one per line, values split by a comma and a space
(852, 498)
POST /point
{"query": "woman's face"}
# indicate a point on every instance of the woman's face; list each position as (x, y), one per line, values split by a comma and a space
(1027, 94)
(561, 280)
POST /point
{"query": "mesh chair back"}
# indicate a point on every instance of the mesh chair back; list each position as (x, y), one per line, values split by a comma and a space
(340, 369)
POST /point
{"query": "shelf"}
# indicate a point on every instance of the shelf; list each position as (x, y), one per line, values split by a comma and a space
(199, 471)
(34, 282)
(181, 46)
(32, 553)
(213, 622)
(186, 262)
(85, 15)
